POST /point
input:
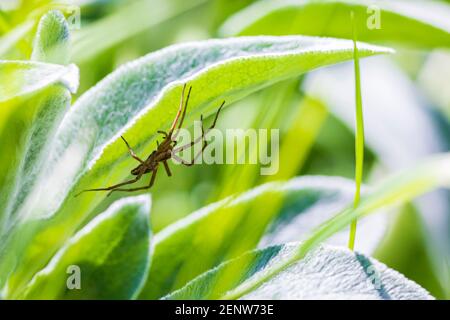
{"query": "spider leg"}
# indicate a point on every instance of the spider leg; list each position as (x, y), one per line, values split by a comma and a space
(193, 142)
(166, 166)
(163, 133)
(174, 123)
(191, 163)
(185, 108)
(112, 187)
(186, 146)
(152, 181)
(132, 153)
(183, 115)
(217, 116)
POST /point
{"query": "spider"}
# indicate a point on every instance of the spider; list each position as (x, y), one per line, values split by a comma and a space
(164, 151)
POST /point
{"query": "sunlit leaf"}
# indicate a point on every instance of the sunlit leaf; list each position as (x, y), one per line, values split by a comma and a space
(110, 253)
(52, 39)
(236, 280)
(137, 100)
(22, 78)
(325, 273)
(33, 98)
(189, 247)
(399, 188)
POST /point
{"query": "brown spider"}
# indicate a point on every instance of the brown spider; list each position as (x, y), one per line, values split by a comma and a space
(164, 151)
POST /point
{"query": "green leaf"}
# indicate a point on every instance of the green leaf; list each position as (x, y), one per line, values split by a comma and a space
(137, 100)
(325, 273)
(52, 39)
(33, 99)
(21, 78)
(25, 131)
(110, 253)
(189, 247)
(400, 188)
(413, 23)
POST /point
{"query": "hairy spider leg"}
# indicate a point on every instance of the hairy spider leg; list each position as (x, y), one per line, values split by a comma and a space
(190, 144)
(191, 163)
(163, 133)
(183, 115)
(166, 166)
(180, 109)
(152, 181)
(139, 176)
(205, 143)
(132, 153)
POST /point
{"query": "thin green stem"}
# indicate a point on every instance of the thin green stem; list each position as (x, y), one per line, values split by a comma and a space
(359, 136)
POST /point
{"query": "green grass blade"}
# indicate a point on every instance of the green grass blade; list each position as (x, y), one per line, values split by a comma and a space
(359, 136)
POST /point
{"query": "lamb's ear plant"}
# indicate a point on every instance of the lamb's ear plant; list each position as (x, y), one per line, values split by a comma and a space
(52, 150)
(384, 102)
(325, 273)
(107, 258)
(89, 135)
(248, 274)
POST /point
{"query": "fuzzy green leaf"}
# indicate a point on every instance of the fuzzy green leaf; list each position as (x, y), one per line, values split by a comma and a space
(20, 78)
(186, 248)
(325, 273)
(52, 39)
(403, 187)
(110, 253)
(400, 188)
(33, 99)
(137, 100)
